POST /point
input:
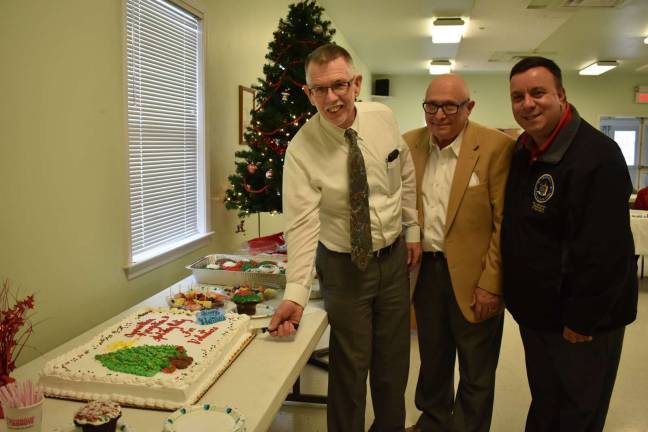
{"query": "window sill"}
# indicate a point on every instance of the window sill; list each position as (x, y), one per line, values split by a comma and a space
(136, 269)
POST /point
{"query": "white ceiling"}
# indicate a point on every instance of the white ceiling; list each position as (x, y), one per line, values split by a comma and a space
(393, 36)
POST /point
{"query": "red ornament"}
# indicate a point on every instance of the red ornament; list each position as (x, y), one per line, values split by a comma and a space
(252, 168)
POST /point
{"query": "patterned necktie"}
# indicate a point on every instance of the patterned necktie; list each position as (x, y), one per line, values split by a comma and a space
(361, 246)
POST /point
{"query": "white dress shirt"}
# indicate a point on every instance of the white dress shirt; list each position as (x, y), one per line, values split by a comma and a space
(316, 190)
(435, 192)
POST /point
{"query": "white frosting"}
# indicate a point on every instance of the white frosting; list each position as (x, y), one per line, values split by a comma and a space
(78, 375)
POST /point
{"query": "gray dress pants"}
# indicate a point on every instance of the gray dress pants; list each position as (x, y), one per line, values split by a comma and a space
(443, 332)
(369, 317)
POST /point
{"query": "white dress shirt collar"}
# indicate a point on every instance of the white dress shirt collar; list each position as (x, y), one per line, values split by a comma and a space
(455, 145)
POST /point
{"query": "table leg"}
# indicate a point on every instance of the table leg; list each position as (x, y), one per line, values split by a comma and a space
(297, 395)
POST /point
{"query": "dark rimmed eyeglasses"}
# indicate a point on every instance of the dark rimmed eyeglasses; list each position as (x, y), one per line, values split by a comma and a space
(339, 88)
(448, 108)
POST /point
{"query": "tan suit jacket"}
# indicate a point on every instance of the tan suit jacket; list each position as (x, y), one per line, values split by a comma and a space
(472, 231)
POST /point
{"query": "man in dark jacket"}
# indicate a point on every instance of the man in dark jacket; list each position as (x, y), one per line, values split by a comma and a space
(569, 273)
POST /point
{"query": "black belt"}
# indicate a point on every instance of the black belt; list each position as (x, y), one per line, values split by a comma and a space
(386, 250)
(436, 255)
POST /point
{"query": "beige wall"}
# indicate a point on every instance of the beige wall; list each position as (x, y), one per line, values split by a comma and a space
(608, 94)
(63, 158)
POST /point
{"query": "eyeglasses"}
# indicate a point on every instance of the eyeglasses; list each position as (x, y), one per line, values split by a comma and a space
(339, 88)
(448, 108)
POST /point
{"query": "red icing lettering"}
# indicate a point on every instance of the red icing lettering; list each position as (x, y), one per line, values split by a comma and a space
(202, 335)
(159, 329)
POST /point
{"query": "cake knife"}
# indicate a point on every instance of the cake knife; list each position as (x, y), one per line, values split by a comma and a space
(258, 330)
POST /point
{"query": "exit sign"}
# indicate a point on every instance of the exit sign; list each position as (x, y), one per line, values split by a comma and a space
(641, 94)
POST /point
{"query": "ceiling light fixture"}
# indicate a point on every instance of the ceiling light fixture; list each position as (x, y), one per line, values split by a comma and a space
(646, 41)
(447, 30)
(438, 67)
(598, 68)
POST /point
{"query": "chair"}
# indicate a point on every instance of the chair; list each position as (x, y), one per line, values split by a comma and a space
(641, 202)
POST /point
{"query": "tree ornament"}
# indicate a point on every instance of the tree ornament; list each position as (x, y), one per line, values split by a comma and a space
(269, 174)
(318, 29)
(285, 95)
(252, 168)
(240, 228)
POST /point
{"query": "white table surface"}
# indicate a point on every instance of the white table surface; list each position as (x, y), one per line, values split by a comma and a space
(639, 227)
(256, 383)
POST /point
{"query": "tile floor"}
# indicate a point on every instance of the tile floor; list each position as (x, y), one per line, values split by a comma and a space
(628, 412)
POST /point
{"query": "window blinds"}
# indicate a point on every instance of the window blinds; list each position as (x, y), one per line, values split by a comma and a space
(163, 48)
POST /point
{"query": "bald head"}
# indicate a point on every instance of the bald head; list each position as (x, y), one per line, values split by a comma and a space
(448, 105)
(450, 85)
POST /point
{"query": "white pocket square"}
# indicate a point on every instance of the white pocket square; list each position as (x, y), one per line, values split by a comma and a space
(474, 180)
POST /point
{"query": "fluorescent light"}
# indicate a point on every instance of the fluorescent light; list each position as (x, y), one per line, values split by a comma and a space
(439, 67)
(447, 30)
(598, 68)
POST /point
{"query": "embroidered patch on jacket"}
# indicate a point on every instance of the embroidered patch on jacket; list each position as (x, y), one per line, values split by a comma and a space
(544, 188)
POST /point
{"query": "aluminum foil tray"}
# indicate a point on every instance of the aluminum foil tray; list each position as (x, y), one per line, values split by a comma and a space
(205, 275)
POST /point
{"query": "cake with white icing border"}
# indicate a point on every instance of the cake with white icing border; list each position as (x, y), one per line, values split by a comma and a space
(78, 375)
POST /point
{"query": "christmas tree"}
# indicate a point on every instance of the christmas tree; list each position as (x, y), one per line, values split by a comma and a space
(281, 109)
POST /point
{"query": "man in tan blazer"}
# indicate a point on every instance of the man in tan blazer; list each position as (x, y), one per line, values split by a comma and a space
(461, 170)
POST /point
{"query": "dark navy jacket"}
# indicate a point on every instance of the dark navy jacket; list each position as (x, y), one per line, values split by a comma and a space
(567, 249)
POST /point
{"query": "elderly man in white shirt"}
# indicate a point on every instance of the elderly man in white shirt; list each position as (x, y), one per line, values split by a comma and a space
(358, 250)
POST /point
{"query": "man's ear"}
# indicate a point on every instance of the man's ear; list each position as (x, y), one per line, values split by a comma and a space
(470, 105)
(358, 84)
(562, 94)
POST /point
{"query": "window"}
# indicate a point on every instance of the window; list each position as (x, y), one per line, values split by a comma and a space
(630, 134)
(626, 140)
(165, 132)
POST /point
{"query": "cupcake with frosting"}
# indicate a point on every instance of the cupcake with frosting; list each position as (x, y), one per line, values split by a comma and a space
(98, 416)
(246, 301)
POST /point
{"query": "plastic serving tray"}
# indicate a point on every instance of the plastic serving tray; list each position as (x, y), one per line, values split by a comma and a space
(205, 275)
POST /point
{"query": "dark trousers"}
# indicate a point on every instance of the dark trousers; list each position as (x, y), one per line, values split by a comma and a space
(442, 332)
(369, 317)
(571, 384)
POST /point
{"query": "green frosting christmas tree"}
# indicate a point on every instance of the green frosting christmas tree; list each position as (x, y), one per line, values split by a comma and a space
(145, 360)
(281, 109)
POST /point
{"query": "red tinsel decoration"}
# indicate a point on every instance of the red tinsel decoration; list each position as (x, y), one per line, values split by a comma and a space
(273, 132)
(254, 191)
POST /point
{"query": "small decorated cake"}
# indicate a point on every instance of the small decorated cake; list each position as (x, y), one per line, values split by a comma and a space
(246, 301)
(98, 416)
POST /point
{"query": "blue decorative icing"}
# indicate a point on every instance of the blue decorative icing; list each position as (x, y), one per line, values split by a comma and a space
(228, 410)
(183, 410)
(206, 407)
(209, 316)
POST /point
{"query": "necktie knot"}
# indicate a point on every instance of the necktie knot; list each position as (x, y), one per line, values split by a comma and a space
(351, 135)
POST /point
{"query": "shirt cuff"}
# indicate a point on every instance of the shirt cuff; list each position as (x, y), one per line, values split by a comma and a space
(297, 293)
(413, 234)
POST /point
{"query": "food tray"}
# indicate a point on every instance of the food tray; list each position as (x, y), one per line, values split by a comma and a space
(209, 276)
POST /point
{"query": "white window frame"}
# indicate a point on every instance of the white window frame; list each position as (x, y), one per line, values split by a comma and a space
(146, 261)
